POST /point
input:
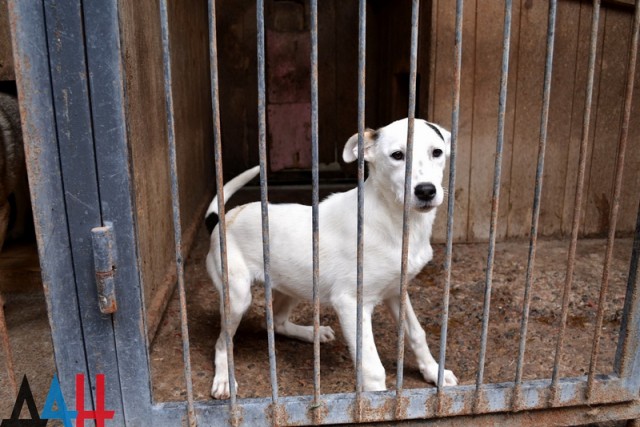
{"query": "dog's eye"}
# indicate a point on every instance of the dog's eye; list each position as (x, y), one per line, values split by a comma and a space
(437, 152)
(397, 155)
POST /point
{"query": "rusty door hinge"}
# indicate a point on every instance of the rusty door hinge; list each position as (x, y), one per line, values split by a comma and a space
(104, 258)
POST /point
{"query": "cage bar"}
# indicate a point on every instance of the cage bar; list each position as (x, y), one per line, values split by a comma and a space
(577, 205)
(222, 224)
(175, 204)
(455, 125)
(338, 408)
(495, 201)
(315, 201)
(617, 189)
(413, 67)
(544, 119)
(626, 354)
(362, 40)
(264, 203)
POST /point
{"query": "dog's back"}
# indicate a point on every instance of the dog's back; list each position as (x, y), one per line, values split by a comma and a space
(290, 242)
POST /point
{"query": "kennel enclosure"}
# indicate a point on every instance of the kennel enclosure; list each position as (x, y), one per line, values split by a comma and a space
(120, 102)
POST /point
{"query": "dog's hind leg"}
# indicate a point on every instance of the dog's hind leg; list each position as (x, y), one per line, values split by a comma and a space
(239, 302)
(418, 342)
(282, 307)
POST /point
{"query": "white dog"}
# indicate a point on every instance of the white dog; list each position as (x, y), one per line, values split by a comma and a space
(291, 249)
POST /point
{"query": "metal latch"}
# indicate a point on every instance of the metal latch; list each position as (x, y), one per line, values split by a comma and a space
(104, 258)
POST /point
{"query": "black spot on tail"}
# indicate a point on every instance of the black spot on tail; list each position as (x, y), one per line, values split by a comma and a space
(211, 221)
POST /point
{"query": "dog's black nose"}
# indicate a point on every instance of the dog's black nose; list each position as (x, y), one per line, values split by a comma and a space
(425, 192)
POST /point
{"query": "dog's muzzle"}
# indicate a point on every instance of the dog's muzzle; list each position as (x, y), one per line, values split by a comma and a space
(425, 192)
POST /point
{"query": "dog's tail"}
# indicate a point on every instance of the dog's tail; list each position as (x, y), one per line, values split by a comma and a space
(211, 217)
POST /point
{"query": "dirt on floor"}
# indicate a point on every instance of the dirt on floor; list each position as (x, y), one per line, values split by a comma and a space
(25, 311)
(295, 358)
(32, 350)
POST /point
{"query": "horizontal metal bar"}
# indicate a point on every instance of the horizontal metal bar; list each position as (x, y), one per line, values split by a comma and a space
(580, 415)
(380, 406)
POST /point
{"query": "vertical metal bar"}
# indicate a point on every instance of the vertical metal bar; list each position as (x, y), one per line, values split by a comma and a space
(6, 346)
(413, 66)
(496, 194)
(76, 145)
(362, 40)
(315, 196)
(222, 223)
(106, 83)
(613, 216)
(175, 202)
(544, 119)
(577, 205)
(627, 355)
(455, 124)
(262, 133)
(37, 112)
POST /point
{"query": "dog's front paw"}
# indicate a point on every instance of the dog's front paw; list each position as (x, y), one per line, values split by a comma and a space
(449, 378)
(326, 334)
(431, 375)
(220, 387)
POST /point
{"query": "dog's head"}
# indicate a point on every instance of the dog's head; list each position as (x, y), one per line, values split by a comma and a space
(385, 152)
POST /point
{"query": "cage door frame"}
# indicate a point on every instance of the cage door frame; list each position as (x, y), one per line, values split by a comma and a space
(72, 107)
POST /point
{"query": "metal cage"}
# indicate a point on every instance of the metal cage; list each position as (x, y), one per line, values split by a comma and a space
(70, 79)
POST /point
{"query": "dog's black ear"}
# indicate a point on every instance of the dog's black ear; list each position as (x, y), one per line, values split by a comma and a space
(444, 134)
(350, 152)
